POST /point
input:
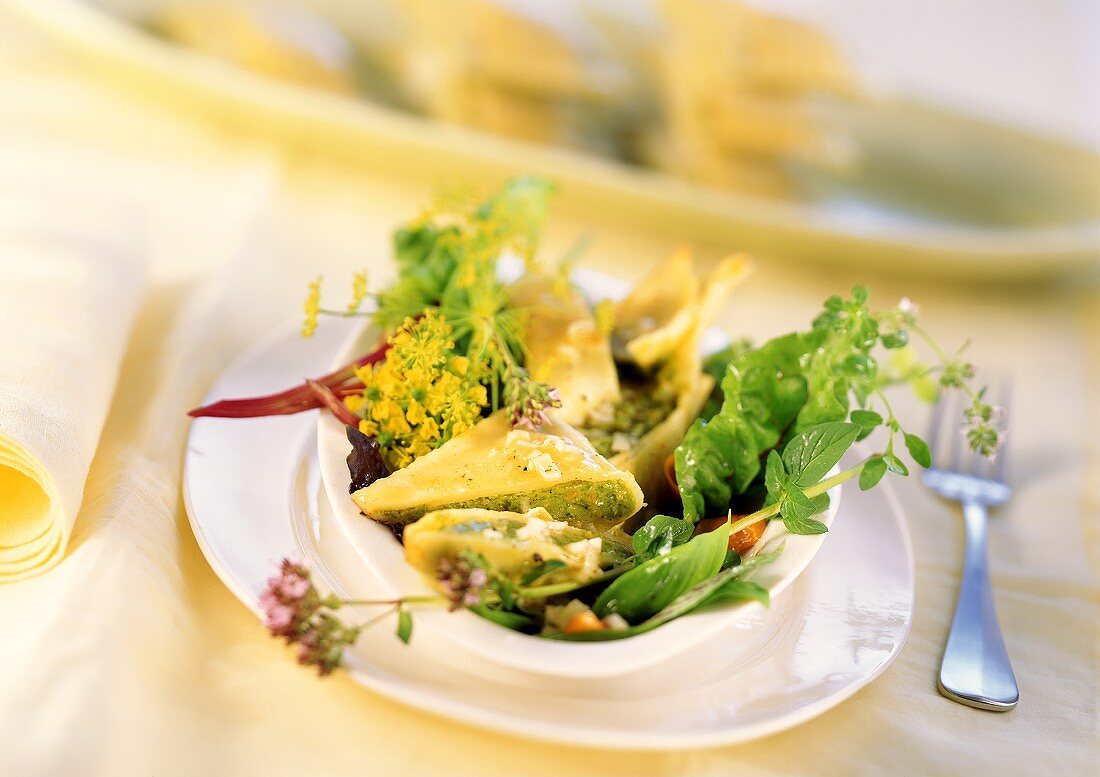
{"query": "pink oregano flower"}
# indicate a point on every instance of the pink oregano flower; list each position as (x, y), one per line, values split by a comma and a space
(295, 611)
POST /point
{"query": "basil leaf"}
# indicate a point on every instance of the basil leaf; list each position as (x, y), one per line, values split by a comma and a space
(763, 390)
(919, 450)
(805, 526)
(404, 625)
(652, 585)
(774, 392)
(866, 420)
(810, 455)
(509, 620)
(775, 476)
(796, 505)
(541, 570)
(733, 558)
(660, 534)
(738, 590)
(796, 512)
(507, 593)
(691, 600)
(872, 472)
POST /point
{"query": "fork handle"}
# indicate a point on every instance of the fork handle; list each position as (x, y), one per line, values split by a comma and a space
(975, 669)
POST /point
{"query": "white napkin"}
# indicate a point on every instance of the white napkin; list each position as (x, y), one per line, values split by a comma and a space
(71, 281)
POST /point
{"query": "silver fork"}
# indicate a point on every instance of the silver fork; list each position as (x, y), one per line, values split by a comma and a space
(975, 669)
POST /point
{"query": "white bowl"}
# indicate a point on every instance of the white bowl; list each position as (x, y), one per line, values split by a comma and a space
(377, 547)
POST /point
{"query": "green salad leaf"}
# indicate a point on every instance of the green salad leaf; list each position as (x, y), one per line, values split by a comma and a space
(652, 585)
(516, 621)
(724, 586)
(716, 365)
(660, 534)
(775, 392)
(541, 570)
(763, 391)
(810, 455)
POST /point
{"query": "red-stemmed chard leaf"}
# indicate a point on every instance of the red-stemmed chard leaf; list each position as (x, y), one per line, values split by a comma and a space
(335, 405)
(341, 383)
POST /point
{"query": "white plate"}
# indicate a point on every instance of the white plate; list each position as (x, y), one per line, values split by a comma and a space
(376, 546)
(253, 495)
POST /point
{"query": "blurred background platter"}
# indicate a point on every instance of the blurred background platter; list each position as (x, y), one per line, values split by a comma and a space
(752, 126)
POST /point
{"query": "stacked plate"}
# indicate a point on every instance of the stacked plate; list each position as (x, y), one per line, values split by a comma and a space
(932, 191)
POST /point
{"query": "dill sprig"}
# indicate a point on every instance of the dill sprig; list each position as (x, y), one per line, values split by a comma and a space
(447, 260)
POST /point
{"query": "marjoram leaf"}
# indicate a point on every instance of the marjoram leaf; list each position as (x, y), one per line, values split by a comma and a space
(810, 455)
(919, 450)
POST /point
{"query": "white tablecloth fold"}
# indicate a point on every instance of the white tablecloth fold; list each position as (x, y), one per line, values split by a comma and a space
(69, 292)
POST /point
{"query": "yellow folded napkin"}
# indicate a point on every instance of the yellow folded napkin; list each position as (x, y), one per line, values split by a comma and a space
(71, 280)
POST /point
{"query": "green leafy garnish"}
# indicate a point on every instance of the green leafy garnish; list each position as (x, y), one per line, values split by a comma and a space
(404, 625)
(763, 392)
(660, 534)
(803, 381)
(508, 619)
(655, 583)
(724, 586)
(541, 570)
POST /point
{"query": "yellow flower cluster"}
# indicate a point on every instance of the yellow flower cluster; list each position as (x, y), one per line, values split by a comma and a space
(420, 395)
(359, 289)
(311, 308)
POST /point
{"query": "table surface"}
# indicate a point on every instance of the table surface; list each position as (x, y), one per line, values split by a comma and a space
(131, 657)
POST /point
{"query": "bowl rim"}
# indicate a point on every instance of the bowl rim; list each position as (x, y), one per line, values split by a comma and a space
(374, 544)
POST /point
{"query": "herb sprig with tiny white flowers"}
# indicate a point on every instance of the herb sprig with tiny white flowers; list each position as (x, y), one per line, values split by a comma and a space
(801, 400)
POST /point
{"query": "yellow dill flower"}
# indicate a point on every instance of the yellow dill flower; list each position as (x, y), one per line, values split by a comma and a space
(312, 308)
(422, 344)
(418, 448)
(389, 381)
(365, 374)
(429, 431)
(421, 394)
(401, 458)
(605, 316)
(358, 291)
(459, 365)
(415, 414)
(396, 425)
(477, 394)
(355, 403)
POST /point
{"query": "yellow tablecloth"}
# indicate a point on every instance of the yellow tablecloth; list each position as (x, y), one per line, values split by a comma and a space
(131, 658)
